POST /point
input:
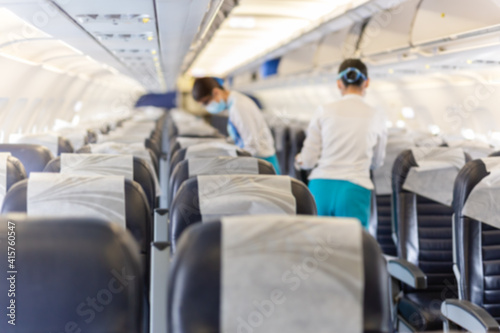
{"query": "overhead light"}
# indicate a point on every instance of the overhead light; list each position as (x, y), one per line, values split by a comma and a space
(153, 52)
(468, 134)
(146, 20)
(400, 124)
(150, 38)
(240, 22)
(469, 62)
(408, 113)
(427, 66)
(434, 129)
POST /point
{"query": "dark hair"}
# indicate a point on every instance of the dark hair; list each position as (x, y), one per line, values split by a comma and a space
(353, 77)
(203, 87)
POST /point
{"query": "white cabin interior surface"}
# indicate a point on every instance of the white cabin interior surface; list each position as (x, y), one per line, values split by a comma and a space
(166, 166)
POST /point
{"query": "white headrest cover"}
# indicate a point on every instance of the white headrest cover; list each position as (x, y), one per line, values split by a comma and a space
(211, 149)
(475, 149)
(436, 172)
(228, 195)
(3, 175)
(188, 142)
(482, 203)
(53, 194)
(383, 175)
(98, 165)
(292, 274)
(223, 165)
(137, 150)
(48, 140)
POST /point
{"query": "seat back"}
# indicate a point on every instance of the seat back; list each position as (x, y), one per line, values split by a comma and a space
(205, 150)
(243, 272)
(423, 225)
(203, 198)
(297, 138)
(62, 269)
(477, 234)
(142, 174)
(137, 212)
(381, 222)
(34, 158)
(223, 165)
(281, 136)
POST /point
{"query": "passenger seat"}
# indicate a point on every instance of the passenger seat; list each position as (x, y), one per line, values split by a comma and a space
(422, 180)
(476, 240)
(278, 274)
(73, 275)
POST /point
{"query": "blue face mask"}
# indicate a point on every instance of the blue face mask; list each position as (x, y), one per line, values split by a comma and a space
(216, 107)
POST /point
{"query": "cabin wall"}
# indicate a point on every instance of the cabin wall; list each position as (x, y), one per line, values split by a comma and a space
(33, 97)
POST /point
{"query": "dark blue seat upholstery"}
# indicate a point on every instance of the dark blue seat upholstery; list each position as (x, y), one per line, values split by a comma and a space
(33, 157)
(424, 233)
(194, 292)
(142, 175)
(297, 138)
(477, 244)
(65, 283)
(283, 147)
(382, 212)
(185, 210)
(64, 146)
(181, 174)
(15, 172)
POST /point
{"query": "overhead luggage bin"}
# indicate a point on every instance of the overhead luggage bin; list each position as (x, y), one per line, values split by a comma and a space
(441, 20)
(298, 61)
(338, 45)
(389, 30)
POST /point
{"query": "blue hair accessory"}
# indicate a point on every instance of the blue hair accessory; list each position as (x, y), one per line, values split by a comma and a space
(344, 75)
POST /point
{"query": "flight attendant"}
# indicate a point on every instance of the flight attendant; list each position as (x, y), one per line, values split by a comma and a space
(246, 125)
(344, 141)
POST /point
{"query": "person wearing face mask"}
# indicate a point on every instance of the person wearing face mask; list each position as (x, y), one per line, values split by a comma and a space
(344, 141)
(246, 125)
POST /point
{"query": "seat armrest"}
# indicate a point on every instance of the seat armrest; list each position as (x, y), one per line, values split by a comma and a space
(469, 316)
(407, 273)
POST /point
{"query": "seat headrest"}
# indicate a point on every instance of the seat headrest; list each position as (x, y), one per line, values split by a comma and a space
(137, 210)
(222, 165)
(205, 151)
(477, 190)
(382, 175)
(52, 194)
(142, 174)
(11, 172)
(203, 198)
(61, 270)
(476, 149)
(279, 274)
(33, 157)
(53, 141)
(429, 172)
(98, 164)
(137, 150)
